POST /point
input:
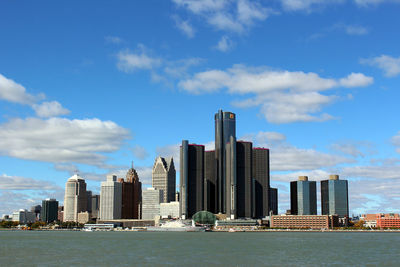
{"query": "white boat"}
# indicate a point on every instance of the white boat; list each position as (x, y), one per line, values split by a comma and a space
(175, 226)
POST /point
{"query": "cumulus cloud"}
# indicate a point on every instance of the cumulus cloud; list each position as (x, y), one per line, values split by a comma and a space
(388, 64)
(284, 96)
(225, 44)
(354, 148)
(61, 140)
(50, 109)
(14, 92)
(233, 16)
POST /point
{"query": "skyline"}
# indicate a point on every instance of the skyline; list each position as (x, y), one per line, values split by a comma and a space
(91, 87)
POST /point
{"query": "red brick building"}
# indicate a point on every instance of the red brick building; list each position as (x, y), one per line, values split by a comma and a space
(304, 221)
(390, 220)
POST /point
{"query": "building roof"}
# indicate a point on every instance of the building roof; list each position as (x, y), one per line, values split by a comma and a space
(75, 177)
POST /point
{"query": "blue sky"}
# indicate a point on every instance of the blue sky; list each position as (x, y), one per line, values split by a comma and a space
(93, 85)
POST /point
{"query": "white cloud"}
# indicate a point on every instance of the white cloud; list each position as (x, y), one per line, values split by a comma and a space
(50, 109)
(140, 152)
(170, 151)
(367, 3)
(233, 16)
(60, 140)
(113, 39)
(396, 141)
(306, 5)
(21, 183)
(354, 148)
(389, 65)
(265, 137)
(356, 80)
(14, 92)
(284, 96)
(184, 26)
(225, 44)
(131, 61)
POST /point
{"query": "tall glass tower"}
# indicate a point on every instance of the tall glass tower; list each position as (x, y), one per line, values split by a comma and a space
(303, 197)
(225, 128)
(334, 197)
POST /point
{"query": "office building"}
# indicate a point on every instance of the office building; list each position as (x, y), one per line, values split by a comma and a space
(23, 216)
(37, 210)
(110, 198)
(60, 213)
(244, 178)
(304, 221)
(273, 200)
(334, 197)
(169, 210)
(191, 179)
(303, 197)
(151, 203)
(225, 128)
(210, 182)
(75, 199)
(95, 206)
(49, 210)
(164, 178)
(131, 195)
(260, 173)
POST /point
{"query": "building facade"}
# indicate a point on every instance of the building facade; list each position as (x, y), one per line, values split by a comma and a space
(131, 195)
(210, 182)
(164, 178)
(304, 221)
(303, 197)
(49, 210)
(191, 179)
(334, 197)
(110, 199)
(75, 199)
(225, 128)
(23, 216)
(169, 210)
(260, 173)
(151, 203)
(273, 196)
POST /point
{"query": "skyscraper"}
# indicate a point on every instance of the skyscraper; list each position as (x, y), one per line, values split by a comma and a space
(334, 197)
(164, 178)
(260, 172)
(75, 199)
(303, 197)
(244, 178)
(273, 200)
(210, 186)
(49, 210)
(191, 179)
(110, 199)
(225, 128)
(131, 195)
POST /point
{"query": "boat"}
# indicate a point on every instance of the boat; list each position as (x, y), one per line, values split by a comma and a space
(175, 226)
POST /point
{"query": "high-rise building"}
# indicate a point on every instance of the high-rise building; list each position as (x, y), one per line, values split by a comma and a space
(131, 195)
(164, 178)
(191, 179)
(303, 197)
(151, 203)
(95, 206)
(37, 210)
(225, 128)
(110, 199)
(210, 183)
(49, 210)
(89, 201)
(273, 200)
(334, 197)
(75, 199)
(260, 172)
(244, 178)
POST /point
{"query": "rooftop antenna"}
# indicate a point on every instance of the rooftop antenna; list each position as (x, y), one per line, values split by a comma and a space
(76, 172)
(132, 164)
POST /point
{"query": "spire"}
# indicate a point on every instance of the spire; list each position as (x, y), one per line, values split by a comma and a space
(132, 164)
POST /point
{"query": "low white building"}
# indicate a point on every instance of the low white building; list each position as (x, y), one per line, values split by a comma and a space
(169, 210)
(23, 216)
